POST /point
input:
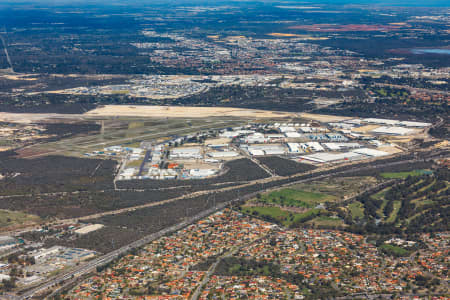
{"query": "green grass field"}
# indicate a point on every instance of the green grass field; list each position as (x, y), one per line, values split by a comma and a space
(422, 202)
(394, 250)
(380, 211)
(274, 212)
(10, 218)
(403, 175)
(338, 187)
(280, 216)
(393, 215)
(297, 198)
(356, 209)
(380, 194)
(327, 221)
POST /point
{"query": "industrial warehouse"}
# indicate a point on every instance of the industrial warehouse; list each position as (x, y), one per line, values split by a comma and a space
(204, 154)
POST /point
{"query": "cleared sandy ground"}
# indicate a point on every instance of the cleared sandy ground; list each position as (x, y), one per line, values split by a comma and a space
(217, 141)
(324, 118)
(19, 77)
(389, 149)
(31, 118)
(149, 111)
(366, 129)
(402, 138)
(183, 112)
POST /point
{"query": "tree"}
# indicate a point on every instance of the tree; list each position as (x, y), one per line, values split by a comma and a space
(9, 284)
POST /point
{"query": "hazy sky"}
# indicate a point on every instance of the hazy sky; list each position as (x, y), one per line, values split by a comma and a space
(445, 3)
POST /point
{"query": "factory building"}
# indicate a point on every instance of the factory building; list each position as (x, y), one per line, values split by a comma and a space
(393, 130)
(331, 157)
(341, 146)
(370, 152)
(314, 146)
(186, 153)
(7, 241)
(221, 154)
(267, 149)
(294, 147)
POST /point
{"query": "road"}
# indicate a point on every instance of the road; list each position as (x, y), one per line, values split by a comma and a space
(213, 267)
(205, 192)
(105, 259)
(6, 53)
(230, 188)
(262, 166)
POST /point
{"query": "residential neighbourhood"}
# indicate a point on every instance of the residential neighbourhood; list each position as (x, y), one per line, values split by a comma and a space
(264, 149)
(175, 267)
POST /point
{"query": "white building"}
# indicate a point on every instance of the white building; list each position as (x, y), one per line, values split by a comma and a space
(393, 130)
(256, 138)
(370, 152)
(88, 228)
(275, 137)
(128, 172)
(331, 157)
(294, 147)
(4, 277)
(46, 252)
(266, 149)
(381, 121)
(219, 154)
(341, 146)
(7, 241)
(200, 173)
(114, 148)
(136, 150)
(342, 125)
(415, 124)
(285, 129)
(292, 134)
(186, 153)
(256, 152)
(306, 129)
(235, 133)
(315, 146)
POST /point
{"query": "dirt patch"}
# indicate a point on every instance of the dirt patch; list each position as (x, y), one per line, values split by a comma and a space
(390, 149)
(27, 118)
(366, 129)
(324, 118)
(183, 112)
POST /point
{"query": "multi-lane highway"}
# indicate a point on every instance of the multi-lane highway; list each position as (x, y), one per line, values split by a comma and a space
(105, 259)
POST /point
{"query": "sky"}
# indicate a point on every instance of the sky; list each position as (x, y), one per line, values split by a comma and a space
(443, 3)
(389, 2)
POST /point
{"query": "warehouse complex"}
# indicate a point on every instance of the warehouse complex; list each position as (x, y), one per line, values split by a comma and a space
(203, 154)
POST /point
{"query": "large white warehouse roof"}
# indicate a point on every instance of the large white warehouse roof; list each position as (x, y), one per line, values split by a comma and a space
(329, 157)
(370, 152)
(394, 130)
